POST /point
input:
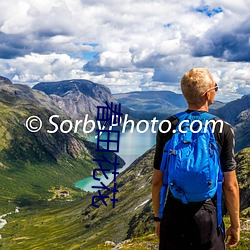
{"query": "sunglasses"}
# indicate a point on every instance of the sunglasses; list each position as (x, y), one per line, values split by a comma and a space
(216, 87)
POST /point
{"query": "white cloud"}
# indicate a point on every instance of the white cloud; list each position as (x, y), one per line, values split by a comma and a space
(34, 68)
(140, 44)
(117, 81)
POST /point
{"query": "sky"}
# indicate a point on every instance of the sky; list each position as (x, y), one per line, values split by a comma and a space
(127, 45)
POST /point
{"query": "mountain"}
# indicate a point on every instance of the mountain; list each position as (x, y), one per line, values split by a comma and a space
(80, 97)
(242, 130)
(237, 114)
(216, 105)
(160, 104)
(4, 80)
(232, 110)
(77, 97)
(163, 103)
(151, 103)
(31, 164)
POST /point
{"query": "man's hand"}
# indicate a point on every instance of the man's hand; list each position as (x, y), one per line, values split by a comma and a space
(232, 236)
(157, 228)
(156, 187)
(232, 200)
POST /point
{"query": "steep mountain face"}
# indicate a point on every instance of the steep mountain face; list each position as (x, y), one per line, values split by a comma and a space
(77, 97)
(232, 110)
(32, 163)
(237, 114)
(19, 101)
(242, 130)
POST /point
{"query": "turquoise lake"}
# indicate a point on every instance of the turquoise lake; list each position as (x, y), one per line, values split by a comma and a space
(131, 146)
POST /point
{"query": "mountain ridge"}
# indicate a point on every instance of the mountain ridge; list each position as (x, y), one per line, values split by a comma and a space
(149, 104)
(160, 104)
(230, 111)
(77, 97)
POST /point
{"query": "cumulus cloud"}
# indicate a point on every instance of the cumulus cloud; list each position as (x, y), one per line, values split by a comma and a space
(34, 68)
(140, 45)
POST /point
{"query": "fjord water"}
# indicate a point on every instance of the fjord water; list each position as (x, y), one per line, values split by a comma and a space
(131, 146)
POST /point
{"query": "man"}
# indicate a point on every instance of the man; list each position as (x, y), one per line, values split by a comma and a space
(194, 225)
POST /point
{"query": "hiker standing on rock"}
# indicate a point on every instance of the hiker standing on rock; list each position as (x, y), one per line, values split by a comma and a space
(193, 165)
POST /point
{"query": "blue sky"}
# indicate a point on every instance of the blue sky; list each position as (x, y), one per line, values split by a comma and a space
(126, 45)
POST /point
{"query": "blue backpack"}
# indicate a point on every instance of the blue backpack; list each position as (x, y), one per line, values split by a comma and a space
(191, 162)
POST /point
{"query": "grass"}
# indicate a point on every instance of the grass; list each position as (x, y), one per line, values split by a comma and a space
(51, 225)
(31, 183)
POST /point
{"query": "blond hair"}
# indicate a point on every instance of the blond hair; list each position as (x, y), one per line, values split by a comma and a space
(195, 83)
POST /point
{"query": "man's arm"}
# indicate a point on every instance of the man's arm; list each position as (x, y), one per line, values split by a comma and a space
(157, 178)
(231, 195)
(156, 187)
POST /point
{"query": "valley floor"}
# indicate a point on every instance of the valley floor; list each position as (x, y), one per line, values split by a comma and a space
(58, 225)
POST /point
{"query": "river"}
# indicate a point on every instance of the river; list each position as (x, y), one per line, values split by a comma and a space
(131, 146)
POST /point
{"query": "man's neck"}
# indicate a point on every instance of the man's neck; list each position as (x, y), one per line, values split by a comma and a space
(198, 107)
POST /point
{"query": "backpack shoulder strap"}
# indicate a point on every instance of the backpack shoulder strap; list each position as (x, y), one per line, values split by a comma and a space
(182, 115)
(208, 116)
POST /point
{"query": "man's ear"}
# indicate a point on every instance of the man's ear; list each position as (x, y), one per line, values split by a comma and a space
(207, 95)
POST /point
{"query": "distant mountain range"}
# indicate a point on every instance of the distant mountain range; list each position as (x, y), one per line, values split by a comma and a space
(147, 104)
(76, 98)
(159, 104)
